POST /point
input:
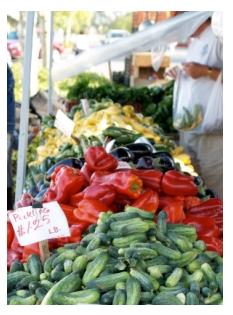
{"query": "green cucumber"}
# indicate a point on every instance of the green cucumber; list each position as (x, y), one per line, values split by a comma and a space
(133, 291)
(68, 284)
(174, 277)
(47, 284)
(159, 260)
(80, 263)
(208, 272)
(67, 254)
(108, 282)
(127, 240)
(48, 263)
(107, 298)
(147, 283)
(17, 300)
(166, 299)
(24, 283)
(95, 267)
(162, 222)
(33, 285)
(120, 294)
(182, 242)
(68, 265)
(166, 251)
(142, 214)
(35, 266)
(157, 271)
(219, 279)
(192, 299)
(201, 245)
(185, 259)
(93, 244)
(23, 293)
(89, 296)
(15, 277)
(94, 253)
(129, 229)
(213, 299)
(16, 266)
(147, 297)
(123, 216)
(40, 293)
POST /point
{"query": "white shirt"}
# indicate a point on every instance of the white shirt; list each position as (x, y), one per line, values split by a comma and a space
(207, 50)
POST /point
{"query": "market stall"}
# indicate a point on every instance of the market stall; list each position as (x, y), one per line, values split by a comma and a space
(138, 224)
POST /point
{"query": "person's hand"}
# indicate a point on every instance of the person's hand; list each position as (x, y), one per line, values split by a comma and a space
(195, 70)
(172, 72)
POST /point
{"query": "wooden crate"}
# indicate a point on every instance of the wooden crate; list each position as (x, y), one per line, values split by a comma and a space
(142, 68)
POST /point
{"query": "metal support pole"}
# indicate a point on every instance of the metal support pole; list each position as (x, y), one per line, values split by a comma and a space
(50, 85)
(24, 112)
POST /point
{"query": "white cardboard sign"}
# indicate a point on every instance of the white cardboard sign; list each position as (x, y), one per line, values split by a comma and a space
(32, 225)
(63, 123)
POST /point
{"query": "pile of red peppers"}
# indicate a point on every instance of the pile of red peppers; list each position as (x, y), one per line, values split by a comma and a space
(101, 186)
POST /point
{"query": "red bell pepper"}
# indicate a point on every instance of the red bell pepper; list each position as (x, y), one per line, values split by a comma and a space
(64, 183)
(103, 192)
(191, 201)
(10, 234)
(125, 183)
(98, 159)
(207, 207)
(176, 183)
(213, 244)
(68, 211)
(75, 235)
(89, 209)
(148, 201)
(175, 211)
(12, 255)
(16, 246)
(205, 226)
(75, 199)
(151, 178)
(87, 172)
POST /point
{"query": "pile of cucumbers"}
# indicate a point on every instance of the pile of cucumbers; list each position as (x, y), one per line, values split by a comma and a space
(125, 259)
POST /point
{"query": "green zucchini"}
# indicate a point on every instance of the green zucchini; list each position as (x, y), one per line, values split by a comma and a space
(16, 266)
(35, 266)
(68, 284)
(17, 300)
(95, 267)
(133, 291)
(89, 296)
(108, 282)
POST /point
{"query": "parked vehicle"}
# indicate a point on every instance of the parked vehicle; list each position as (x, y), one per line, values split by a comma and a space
(115, 34)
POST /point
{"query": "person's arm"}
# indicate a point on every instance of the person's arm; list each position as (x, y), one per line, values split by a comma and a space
(196, 70)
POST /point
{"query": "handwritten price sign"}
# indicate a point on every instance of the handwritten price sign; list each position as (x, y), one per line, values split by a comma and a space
(33, 225)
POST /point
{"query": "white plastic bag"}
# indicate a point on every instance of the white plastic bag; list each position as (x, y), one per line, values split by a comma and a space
(194, 116)
(157, 55)
(213, 114)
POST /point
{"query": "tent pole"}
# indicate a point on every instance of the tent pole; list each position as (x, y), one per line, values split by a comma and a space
(50, 83)
(24, 112)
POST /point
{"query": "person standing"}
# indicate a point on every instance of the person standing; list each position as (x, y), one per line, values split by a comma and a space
(10, 131)
(197, 78)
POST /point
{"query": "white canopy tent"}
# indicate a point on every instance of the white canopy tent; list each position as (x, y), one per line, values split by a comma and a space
(175, 29)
